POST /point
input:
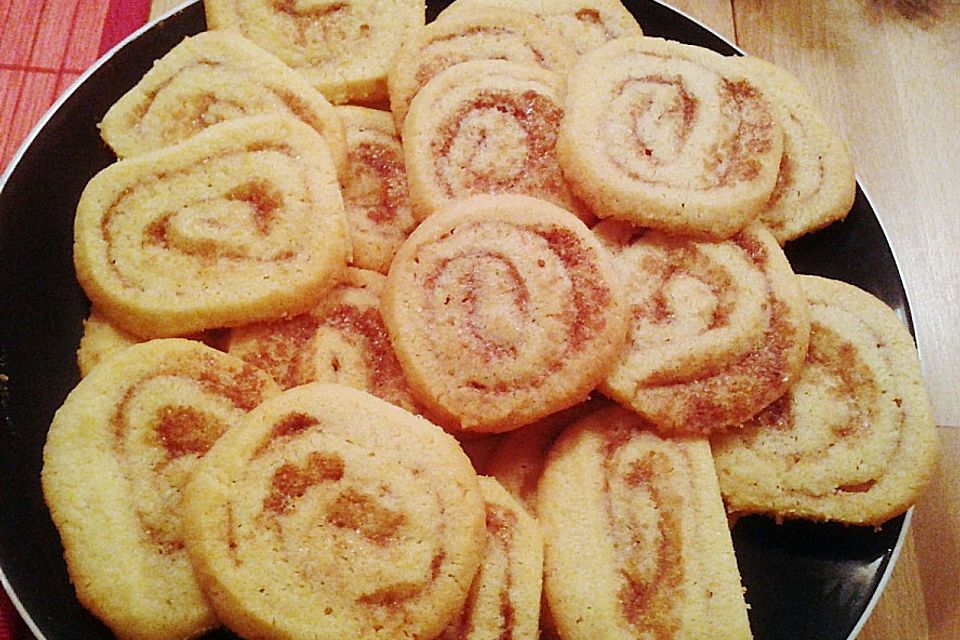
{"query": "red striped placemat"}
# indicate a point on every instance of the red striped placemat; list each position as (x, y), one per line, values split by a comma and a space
(44, 48)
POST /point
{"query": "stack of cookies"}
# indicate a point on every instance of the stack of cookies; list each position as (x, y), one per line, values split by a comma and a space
(491, 348)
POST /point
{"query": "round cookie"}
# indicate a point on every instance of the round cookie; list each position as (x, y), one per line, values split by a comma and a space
(375, 192)
(853, 440)
(343, 48)
(118, 453)
(504, 599)
(502, 310)
(342, 340)
(484, 33)
(486, 126)
(208, 78)
(816, 184)
(583, 24)
(670, 136)
(242, 222)
(636, 543)
(718, 330)
(329, 513)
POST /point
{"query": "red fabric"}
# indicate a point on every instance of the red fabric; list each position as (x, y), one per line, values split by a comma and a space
(45, 46)
(123, 18)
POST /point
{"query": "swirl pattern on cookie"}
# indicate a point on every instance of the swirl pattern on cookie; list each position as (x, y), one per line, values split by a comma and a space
(502, 310)
(670, 136)
(118, 454)
(208, 78)
(816, 184)
(375, 192)
(486, 127)
(718, 330)
(583, 24)
(342, 340)
(504, 600)
(853, 440)
(329, 513)
(342, 48)
(242, 222)
(636, 543)
(484, 33)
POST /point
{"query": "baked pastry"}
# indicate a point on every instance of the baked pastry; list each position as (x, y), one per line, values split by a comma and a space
(375, 192)
(484, 33)
(504, 600)
(583, 24)
(329, 513)
(118, 454)
(209, 78)
(853, 440)
(343, 48)
(670, 136)
(342, 340)
(636, 543)
(502, 310)
(816, 184)
(242, 222)
(486, 126)
(100, 340)
(718, 330)
(518, 459)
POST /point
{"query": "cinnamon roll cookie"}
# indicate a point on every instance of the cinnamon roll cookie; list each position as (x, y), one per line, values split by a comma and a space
(484, 33)
(504, 600)
(240, 223)
(518, 459)
(375, 192)
(486, 126)
(343, 48)
(502, 310)
(118, 454)
(670, 136)
(816, 184)
(341, 340)
(636, 543)
(718, 330)
(209, 78)
(583, 24)
(853, 440)
(329, 513)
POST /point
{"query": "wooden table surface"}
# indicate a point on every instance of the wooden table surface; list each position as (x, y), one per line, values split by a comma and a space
(887, 74)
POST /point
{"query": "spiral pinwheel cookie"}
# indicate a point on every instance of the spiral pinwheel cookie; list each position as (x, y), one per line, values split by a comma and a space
(484, 33)
(670, 136)
(504, 599)
(118, 454)
(100, 340)
(718, 330)
(636, 543)
(583, 24)
(375, 191)
(240, 223)
(853, 440)
(209, 78)
(343, 48)
(502, 310)
(519, 456)
(342, 340)
(329, 513)
(816, 184)
(486, 126)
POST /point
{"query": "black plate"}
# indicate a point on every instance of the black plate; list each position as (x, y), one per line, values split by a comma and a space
(803, 580)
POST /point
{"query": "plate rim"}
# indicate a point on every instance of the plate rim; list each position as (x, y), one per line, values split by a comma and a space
(48, 115)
